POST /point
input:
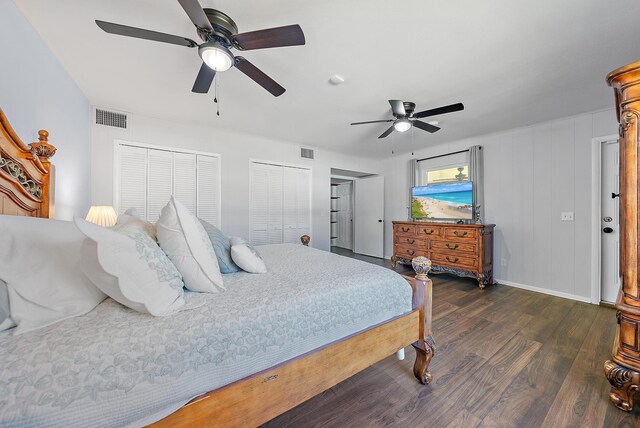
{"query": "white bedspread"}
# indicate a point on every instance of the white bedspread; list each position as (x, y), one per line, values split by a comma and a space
(116, 367)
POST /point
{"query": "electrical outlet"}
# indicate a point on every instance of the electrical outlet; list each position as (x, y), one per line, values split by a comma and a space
(566, 216)
(503, 262)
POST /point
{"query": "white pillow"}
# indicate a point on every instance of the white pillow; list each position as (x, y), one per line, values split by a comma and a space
(187, 244)
(40, 262)
(5, 319)
(127, 264)
(247, 257)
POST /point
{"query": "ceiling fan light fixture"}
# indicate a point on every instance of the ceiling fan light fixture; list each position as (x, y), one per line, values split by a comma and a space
(402, 125)
(216, 56)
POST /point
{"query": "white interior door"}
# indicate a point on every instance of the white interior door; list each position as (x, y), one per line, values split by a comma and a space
(369, 216)
(609, 223)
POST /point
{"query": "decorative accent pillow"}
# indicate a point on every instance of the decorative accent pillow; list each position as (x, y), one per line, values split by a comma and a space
(5, 320)
(127, 264)
(187, 244)
(40, 261)
(221, 247)
(246, 256)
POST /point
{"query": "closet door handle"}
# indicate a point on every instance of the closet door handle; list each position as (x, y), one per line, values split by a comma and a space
(458, 234)
(452, 261)
(455, 247)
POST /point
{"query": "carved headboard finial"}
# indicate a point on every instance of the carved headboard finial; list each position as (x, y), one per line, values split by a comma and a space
(42, 149)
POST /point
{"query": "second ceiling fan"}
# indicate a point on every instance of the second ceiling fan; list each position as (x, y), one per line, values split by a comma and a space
(219, 34)
(405, 118)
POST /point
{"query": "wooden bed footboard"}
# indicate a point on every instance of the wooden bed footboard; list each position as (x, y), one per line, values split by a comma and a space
(261, 397)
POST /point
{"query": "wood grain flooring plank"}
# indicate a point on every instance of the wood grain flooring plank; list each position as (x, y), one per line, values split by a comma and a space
(582, 400)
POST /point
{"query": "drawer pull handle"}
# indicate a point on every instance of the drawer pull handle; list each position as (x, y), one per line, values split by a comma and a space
(455, 247)
(411, 241)
(452, 261)
(411, 252)
(428, 231)
(458, 234)
(405, 230)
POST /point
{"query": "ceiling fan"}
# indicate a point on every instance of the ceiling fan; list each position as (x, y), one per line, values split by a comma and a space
(405, 118)
(219, 34)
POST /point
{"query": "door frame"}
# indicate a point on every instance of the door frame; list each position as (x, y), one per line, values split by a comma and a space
(596, 211)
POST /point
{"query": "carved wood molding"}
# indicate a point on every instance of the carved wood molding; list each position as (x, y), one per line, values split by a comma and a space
(15, 170)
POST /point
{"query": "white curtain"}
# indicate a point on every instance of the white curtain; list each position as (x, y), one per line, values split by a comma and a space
(476, 173)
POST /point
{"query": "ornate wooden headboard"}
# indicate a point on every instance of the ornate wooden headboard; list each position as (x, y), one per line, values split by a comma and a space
(26, 175)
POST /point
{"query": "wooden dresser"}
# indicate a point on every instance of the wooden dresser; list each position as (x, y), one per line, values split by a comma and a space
(459, 249)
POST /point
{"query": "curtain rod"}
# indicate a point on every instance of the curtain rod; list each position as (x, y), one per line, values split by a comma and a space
(446, 154)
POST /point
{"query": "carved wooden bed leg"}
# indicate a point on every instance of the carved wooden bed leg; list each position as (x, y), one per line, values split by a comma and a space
(422, 300)
(624, 384)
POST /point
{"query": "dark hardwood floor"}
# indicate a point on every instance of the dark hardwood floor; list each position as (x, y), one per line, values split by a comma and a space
(505, 357)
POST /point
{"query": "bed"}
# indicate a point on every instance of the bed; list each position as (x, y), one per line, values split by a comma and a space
(239, 358)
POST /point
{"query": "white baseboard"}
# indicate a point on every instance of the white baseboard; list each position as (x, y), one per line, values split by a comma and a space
(545, 291)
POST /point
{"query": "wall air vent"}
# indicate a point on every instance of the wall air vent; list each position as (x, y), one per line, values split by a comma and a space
(111, 118)
(306, 153)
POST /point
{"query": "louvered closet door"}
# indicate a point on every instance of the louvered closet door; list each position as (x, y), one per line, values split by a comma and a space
(303, 206)
(290, 205)
(160, 183)
(208, 185)
(184, 182)
(276, 200)
(132, 180)
(259, 203)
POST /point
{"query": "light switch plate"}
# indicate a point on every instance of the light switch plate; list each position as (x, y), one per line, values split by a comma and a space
(566, 216)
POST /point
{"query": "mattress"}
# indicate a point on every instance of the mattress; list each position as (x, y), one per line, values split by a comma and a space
(116, 367)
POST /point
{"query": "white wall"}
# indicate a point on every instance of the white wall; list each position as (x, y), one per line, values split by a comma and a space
(236, 150)
(37, 93)
(532, 174)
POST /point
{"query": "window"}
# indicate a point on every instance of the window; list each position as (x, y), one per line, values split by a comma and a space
(280, 203)
(444, 169)
(145, 177)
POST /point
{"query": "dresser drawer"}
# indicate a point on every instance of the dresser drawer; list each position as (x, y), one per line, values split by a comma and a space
(454, 260)
(427, 231)
(458, 233)
(405, 229)
(411, 241)
(455, 247)
(409, 252)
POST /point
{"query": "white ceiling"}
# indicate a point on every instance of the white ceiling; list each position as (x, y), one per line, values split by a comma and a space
(511, 62)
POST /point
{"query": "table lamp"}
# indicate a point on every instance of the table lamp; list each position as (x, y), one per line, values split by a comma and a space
(102, 215)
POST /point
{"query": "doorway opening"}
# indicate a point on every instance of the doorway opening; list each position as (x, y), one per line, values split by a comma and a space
(609, 221)
(357, 212)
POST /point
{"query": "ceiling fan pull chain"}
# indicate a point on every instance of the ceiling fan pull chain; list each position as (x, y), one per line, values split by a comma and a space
(217, 90)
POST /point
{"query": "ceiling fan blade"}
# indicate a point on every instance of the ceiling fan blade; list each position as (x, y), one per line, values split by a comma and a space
(259, 76)
(440, 110)
(397, 107)
(425, 126)
(372, 121)
(387, 132)
(204, 79)
(139, 33)
(290, 35)
(196, 14)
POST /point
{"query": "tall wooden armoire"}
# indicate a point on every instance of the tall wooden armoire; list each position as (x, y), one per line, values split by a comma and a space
(623, 370)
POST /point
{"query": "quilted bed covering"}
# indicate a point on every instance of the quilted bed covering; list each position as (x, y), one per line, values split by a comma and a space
(116, 367)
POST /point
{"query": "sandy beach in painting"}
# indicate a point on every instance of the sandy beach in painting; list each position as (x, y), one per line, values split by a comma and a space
(440, 209)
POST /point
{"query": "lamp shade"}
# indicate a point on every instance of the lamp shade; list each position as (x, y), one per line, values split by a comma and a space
(102, 215)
